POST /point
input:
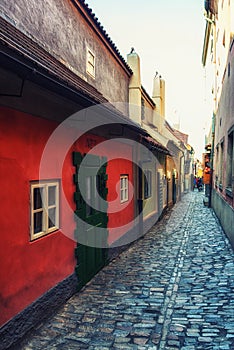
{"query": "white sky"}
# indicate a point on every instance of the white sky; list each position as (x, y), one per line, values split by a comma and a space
(168, 36)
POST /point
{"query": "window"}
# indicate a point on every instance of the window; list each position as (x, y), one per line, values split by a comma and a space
(90, 63)
(147, 184)
(123, 188)
(93, 189)
(230, 162)
(44, 208)
(221, 165)
(142, 109)
(217, 166)
(224, 41)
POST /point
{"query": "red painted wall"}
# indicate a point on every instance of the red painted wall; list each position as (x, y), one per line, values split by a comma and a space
(29, 269)
(119, 155)
(120, 220)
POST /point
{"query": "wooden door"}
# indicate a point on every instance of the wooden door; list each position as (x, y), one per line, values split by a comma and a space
(91, 215)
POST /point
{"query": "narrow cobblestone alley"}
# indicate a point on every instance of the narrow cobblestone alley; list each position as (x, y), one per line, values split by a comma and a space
(173, 289)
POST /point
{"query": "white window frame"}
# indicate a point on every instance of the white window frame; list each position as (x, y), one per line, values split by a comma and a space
(90, 65)
(123, 188)
(44, 209)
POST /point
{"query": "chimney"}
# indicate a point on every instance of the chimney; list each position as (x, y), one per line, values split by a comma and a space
(133, 61)
(159, 94)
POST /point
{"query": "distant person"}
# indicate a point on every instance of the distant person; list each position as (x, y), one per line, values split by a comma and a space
(199, 184)
(194, 182)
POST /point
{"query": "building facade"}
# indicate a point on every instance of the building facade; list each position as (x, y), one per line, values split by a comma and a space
(149, 112)
(57, 123)
(218, 53)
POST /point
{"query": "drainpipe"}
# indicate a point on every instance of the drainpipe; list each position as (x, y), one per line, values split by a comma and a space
(214, 113)
(181, 171)
(212, 159)
(140, 193)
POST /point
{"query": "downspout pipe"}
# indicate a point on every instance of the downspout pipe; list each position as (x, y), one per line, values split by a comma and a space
(181, 171)
(212, 160)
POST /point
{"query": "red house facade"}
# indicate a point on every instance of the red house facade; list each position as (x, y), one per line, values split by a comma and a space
(47, 92)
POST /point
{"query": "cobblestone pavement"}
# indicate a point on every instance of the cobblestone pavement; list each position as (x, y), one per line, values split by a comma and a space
(173, 289)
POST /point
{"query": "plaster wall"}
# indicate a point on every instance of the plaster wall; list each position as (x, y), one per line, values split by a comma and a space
(225, 214)
(61, 29)
(225, 117)
(30, 268)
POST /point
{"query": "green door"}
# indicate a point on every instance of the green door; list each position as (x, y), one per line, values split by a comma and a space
(91, 215)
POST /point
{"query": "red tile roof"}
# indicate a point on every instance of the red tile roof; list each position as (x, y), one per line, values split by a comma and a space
(156, 145)
(178, 134)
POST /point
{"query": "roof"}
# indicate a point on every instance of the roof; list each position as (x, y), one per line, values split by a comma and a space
(20, 48)
(147, 97)
(156, 145)
(93, 21)
(20, 43)
(181, 136)
(178, 134)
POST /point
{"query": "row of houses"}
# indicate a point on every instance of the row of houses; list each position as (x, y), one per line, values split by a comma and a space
(88, 161)
(218, 61)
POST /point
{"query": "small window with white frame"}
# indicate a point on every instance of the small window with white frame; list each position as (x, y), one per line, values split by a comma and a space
(123, 188)
(44, 208)
(90, 63)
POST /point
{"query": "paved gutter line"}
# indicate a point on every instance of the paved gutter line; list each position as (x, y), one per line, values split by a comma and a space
(175, 279)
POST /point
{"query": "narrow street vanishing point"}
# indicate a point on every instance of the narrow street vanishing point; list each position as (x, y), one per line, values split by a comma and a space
(172, 289)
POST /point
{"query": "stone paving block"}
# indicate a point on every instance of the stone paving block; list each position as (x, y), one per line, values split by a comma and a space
(173, 289)
(140, 341)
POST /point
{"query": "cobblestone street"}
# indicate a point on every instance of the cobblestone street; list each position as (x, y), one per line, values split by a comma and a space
(173, 289)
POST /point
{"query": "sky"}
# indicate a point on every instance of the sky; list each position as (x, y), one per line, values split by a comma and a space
(168, 36)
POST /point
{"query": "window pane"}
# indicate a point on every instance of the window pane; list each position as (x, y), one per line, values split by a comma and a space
(90, 69)
(88, 196)
(51, 217)
(38, 195)
(90, 58)
(121, 195)
(88, 188)
(97, 192)
(96, 186)
(37, 222)
(51, 195)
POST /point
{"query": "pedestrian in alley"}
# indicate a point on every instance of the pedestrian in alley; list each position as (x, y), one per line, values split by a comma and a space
(194, 182)
(200, 184)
